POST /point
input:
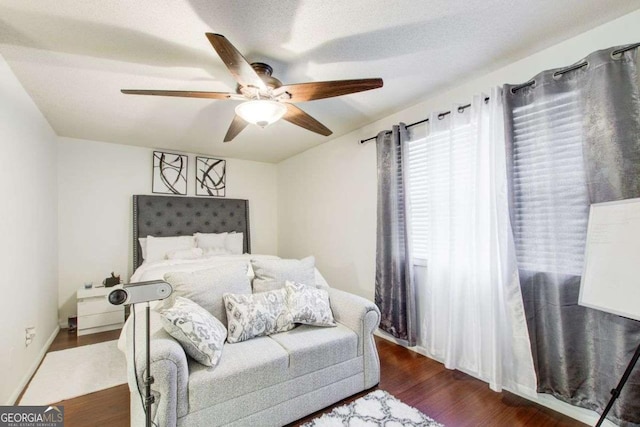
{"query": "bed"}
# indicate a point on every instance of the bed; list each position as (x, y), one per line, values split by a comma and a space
(167, 216)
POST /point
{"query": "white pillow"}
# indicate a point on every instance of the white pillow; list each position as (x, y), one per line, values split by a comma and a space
(210, 240)
(159, 247)
(143, 246)
(234, 243)
(193, 253)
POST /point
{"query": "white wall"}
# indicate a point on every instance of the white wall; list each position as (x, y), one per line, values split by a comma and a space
(96, 182)
(28, 226)
(328, 193)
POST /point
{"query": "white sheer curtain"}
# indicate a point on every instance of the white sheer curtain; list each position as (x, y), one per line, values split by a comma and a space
(470, 311)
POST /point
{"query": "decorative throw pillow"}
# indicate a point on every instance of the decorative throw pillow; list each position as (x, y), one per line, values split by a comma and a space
(201, 335)
(206, 287)
(273, 273)
(309, 305)
(256, 315)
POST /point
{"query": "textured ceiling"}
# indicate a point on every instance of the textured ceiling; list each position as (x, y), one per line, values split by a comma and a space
(73, 57)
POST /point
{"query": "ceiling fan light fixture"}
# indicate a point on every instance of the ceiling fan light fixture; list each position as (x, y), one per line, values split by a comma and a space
(261, 112)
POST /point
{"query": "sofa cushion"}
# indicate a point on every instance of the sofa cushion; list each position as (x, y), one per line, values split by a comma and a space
(206, 287)
(311, 348)
(244, 367)
(272, 274)
(257, 315)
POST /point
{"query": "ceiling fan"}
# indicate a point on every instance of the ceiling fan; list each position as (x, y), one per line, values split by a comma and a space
(267, 100)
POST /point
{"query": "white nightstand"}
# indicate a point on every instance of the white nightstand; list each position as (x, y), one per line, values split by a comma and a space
(95, 314)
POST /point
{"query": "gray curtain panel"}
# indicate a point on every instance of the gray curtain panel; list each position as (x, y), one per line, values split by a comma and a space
(573, 139)
(394, 292)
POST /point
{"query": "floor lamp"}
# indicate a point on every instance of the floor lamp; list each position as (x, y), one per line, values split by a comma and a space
(609, 280)
(136, 293)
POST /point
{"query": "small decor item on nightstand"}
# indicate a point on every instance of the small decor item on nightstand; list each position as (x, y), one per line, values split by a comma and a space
(111, 281)
(88, 285)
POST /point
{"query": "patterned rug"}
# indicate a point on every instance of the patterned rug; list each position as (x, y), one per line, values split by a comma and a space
(377, 408)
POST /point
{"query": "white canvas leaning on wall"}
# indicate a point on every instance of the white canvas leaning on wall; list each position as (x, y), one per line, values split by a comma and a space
(611, 277)
(169, 173)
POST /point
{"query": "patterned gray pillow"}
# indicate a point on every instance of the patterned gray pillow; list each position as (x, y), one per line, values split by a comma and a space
(309, 305)
(271, 274)
(206, 287)
(198, 331)
(257, 315)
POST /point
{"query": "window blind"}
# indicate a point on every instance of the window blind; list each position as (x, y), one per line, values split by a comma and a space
(417, 190)
(439, 167)
(549, 192)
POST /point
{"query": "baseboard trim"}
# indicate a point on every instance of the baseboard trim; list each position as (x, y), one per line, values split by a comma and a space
(389, 337)
(27, 377)
(581, 414)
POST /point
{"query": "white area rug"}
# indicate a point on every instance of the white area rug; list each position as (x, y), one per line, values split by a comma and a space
(377, 408)
(76, 371)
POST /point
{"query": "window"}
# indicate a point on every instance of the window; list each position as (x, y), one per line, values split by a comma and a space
(440, 167)
(551, 204)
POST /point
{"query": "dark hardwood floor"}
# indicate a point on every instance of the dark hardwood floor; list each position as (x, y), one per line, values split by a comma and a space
(450, 397)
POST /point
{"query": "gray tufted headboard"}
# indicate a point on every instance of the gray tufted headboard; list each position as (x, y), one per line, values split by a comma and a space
(163, 216)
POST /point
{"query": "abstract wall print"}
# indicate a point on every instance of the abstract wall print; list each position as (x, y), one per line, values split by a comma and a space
(211, 176)
(169, 173)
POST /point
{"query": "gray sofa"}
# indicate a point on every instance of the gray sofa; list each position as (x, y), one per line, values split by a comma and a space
(266, 381)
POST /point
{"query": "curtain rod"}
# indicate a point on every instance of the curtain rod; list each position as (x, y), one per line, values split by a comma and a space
(522, 86)
(440, 117)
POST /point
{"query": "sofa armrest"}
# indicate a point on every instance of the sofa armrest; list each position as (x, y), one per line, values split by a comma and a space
(363, 317)
(169, 369)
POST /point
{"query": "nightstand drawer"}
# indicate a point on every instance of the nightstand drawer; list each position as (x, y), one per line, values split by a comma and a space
(96, 305)
(102, 319)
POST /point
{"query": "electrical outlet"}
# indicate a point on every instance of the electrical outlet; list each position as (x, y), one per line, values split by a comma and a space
(30, 333)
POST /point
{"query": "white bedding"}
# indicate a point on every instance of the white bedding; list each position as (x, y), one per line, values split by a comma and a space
(157, 270)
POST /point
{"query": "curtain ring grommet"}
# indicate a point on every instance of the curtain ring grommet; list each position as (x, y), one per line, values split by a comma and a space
(530, 83)
(558, 74)
(618, 53)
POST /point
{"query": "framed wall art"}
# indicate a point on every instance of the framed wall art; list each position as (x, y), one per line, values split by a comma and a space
(169, 173)
(211, 176)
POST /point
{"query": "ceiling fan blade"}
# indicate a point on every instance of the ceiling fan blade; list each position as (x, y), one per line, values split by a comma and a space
(299, 118)
(235, 62)
(236, 126)
(184, 94)
(318, 90)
